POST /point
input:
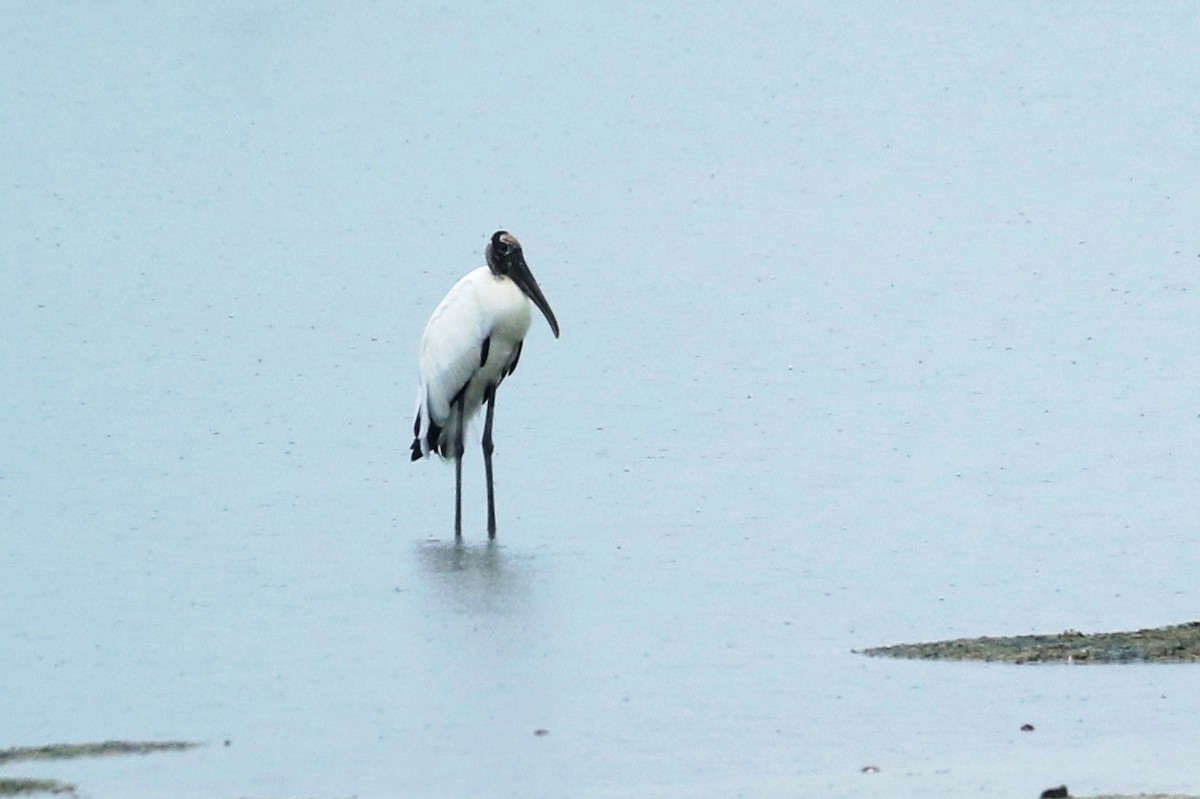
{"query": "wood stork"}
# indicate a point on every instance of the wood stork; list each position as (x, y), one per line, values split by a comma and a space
(471, 343)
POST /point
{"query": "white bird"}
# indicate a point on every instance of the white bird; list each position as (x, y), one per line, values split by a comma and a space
(471, 343)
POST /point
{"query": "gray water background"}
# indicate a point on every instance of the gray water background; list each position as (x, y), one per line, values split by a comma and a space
(879, 325)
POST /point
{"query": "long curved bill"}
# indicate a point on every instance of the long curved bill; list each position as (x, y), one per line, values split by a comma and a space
(524, 278)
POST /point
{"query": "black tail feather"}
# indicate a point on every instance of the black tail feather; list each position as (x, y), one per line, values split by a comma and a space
(416, 445)
(431, 439)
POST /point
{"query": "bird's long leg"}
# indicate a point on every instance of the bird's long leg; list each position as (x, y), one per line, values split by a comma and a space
(487, 461)
(458, 455)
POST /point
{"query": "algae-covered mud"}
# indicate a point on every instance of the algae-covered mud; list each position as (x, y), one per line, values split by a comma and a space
(100, 749)
(10, 786)
(1174, 644)
(14, 786)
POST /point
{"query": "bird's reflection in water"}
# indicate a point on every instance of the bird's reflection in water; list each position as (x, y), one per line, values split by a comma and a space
(476, 578)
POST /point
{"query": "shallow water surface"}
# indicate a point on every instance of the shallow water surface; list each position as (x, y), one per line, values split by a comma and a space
(877, 326)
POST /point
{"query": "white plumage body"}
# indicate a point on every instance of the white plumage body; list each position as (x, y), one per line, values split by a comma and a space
(481, 307)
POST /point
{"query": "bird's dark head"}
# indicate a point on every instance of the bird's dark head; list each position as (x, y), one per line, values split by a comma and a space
(501, 252)
(505, 259)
